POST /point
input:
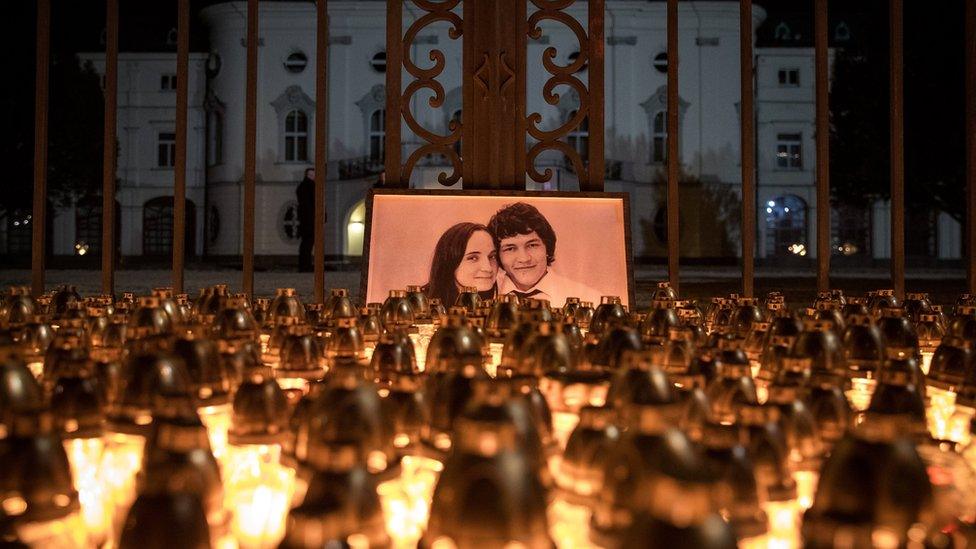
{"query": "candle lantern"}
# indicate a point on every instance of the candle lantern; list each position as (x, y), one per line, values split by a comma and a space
(660, 319)
(733, 387)
(930, 332)
(762, 434)
(34, 339)
(863, 352)
(168, 303)
(639, 380)
(963, 322)
(371, 328)
(917, 304)
(745, 314)
(169, 520)
(148, 373)
(235, 322)
(454, 362)
(19, 392)
(900, 392)
(830, 311)
(342, 507)
(951, 363)
(736, 493)
(17, 306)
(502, 320)
(286, 303)
(37, 495)
(608, 351)
(301, 360)
(178, 458)
(488, 459)
(873, 488)
(259, 486)
(210, 384)
(608, 315)
(820, 342)
(345, 341)
(64, 296)
(881, 299)
(76, 406)
(149, 315)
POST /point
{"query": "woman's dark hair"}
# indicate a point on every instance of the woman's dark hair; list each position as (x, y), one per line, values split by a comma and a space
(447, 256)
(522, 218)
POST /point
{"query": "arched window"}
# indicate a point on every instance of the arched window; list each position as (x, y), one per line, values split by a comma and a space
(579, 137)
(356, 229)
(296, 136)
(786, 226)
(377, 135)
(88, 226)
(157, 226)
(659, 138)
(850, 228)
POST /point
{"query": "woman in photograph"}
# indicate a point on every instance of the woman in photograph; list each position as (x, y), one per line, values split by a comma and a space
(465, 256)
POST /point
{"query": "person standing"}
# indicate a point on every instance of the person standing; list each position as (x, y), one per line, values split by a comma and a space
(305, 193)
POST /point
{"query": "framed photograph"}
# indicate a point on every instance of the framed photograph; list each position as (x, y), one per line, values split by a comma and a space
(546, 245)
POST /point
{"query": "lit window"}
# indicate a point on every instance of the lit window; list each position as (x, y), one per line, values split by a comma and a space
(377, 135)
(659, 138)
(789, 78)
(296, 137)
(788, 151)
(378, 62)
(166, 150)
(786, 227)
(296, 62)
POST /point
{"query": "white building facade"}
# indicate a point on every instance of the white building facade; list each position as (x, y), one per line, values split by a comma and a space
(635, 95)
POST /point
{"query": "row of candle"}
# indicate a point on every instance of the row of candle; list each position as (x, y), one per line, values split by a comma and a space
(499, 423)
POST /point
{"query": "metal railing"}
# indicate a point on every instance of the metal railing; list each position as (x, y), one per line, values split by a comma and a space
(362, 167)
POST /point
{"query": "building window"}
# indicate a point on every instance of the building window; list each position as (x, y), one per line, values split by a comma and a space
(356, 229)
(288, 222)
(88, 226)
(378, 62)
(215, 133)
(167, 82)
(296, 137)
(166, 150)
(788, 151)
(377, 135)
(579, 139)
(786, 226)
(850, 228)
(789, 78)
(296, 62)
(157, 227)
(659, 138)
(661, 62)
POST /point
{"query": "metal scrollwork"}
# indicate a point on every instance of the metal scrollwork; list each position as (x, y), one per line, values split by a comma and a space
(425, 78)
(562, 75)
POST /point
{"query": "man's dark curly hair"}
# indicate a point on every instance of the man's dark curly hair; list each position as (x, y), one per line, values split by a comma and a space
(521, 218)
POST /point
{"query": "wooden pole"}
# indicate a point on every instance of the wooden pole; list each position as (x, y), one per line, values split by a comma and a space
(108, 145)
(595, 12)
(41, 84)
(897, 129)
(394, 64)
(321, 141)
(748, 146)
(970, 40)
(250, 145)
(179, 173)
(823, 147)
(672, 145)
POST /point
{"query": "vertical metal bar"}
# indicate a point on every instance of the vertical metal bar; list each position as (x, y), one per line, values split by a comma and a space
(39, 216)
(595, 83)
(823, 146)
(897, 128)
(672, 144)
(394, 64)
(748, 145)
(108, 145)
(321, 141)
(179, 173)
(970, 39)
(250, 145)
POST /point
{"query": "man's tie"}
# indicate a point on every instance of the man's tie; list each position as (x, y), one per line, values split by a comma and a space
(525, 295)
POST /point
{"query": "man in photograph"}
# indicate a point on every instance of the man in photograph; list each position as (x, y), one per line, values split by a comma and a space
(526, 246)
